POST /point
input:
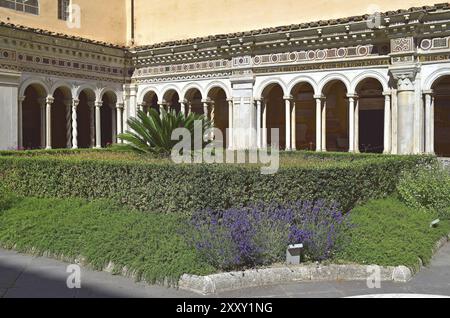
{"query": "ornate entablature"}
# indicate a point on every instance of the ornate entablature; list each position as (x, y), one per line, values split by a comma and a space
(342, 57)
(28, 52)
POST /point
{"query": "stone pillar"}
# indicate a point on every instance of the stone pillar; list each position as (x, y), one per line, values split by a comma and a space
(113, 124)
(432, 131)
(324, 125)
(141, 106)
(68, 103)
(161, 107)
(356, 146)
(428, 121)
(294, 126)
(351, 122)
(230, 124)
(98, 124)
(319, 99)
(205, 108)
(258, 124)
(387, 123)
(183, 104)
(287, 100)
(75, 103)
(405, 77)
(48, 122)
(264, 123)
(20, 122)
(92, 122)
(119, 114)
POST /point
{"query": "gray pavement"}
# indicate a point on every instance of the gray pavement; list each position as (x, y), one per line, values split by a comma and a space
(27, 276)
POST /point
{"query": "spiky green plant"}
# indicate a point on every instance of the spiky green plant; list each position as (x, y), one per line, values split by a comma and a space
(150, 133)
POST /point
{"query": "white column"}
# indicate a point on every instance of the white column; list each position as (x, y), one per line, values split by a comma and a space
(98, 123)
(183, 106)
(319, 99)
(287, 100)
(68, 104)
(119, 114)
(48, 122)
(387, 122)
(113, 124)
(92, 123)
(141, 106)
(324, 125)
(356, 146)
(20, 122)
(161, 106)
(351, 126)
(258, 124)
(75, 103)
(264, 123)
(294, 126)
(432, 131)
(230, 124)
(205, 108)
(428, 122)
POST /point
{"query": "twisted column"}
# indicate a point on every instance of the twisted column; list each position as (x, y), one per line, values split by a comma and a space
(75, 103)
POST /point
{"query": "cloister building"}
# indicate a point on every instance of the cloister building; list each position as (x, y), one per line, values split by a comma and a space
(337, 77)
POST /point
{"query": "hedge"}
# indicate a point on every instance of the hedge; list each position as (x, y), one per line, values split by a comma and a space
(165, 187)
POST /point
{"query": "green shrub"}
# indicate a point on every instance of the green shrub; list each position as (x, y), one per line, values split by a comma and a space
(426, 189)
(7, 199)
(386, 232)
(161, 186)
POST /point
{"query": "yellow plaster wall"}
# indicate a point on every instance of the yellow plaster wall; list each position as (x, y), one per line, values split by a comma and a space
(167, 20)
(101, 20)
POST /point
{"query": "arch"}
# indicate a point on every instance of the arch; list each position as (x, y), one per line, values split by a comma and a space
(33, 124)
(167, 89)
(145, 91)
(274, 113)
(435, 76)
(303, 80)
(105, 90)
(61, 85)
(191, 87)
(269, 82)
(333, 77)
(84, 87)
(303, 125)
(31, 81)
(370, 115)
(369, 75)
(440, 117)
(221, 85)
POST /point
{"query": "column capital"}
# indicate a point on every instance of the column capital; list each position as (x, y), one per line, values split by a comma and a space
(50, 100)
(143, 103)
(183, 101)
(352, 95)
(98, 104)
(288, 97)
(119, 105)
(206, 101)
(387, 93)
(428, 92)
(405, 76)
(319, 96)
(75, 102)
(21, 99)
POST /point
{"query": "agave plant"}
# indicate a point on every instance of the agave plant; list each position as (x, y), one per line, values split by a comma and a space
(151, 133)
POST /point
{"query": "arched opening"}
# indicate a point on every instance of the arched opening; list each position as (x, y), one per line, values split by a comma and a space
(171, 101)
(275, 113)
(33, 117)
(304, 117)
(219, 111)
(441, 90)
(337, 122)
(108, 119)
(86, 119)
(194, 101)
(150, 101)
(371, 116)
(61, 118)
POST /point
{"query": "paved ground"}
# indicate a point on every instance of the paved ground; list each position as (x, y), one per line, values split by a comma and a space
(26, 276)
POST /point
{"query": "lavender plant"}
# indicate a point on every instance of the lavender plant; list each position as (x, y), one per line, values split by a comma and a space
(258, 235)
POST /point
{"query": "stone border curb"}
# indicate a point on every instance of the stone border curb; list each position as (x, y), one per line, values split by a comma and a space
(212, 284)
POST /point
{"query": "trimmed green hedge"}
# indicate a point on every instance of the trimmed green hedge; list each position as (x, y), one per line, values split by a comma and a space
(165, 187)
